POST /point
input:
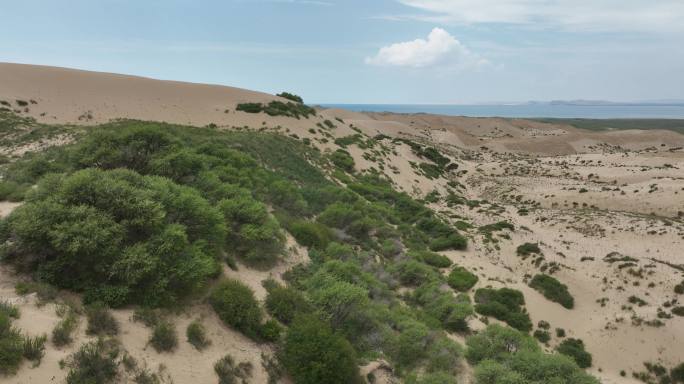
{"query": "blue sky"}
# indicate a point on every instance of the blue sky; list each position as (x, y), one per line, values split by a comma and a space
(368, 51)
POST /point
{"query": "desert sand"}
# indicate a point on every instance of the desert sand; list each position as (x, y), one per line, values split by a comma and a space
(581, 195)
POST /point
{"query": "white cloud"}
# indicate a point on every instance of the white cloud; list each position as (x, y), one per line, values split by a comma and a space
(440, 49)
(598, 15)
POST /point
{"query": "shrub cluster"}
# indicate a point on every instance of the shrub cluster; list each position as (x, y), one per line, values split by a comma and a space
(291, 97)
(431, 258)
(197, 335)
(503, 355)
(278, 108)
(504, 304)
(553, 290)
(575, 349)
(461, 279)
(527, 249)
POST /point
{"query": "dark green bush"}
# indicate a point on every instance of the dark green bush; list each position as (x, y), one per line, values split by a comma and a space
(343, 160)
(461, 279)
(100, 321)
(236, 305)
(314, 354)
(452, 241)
(291, 96)
(431, 258)
(278, 108)
(164, 337)
(677, 373)
(9, 309)
(528, 249)
(575, 349)
(504, 304)
(230, 373)
(413, 273)
(118, 236)
(553, 290)
(284, 303)
(270, 331)
(95, 362)
(310, 234)
(542, 335)
(197, 335)
(11, 346)
(679, 311)
(503, 355)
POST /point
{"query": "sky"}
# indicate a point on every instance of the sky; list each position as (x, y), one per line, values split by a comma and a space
(368, 51)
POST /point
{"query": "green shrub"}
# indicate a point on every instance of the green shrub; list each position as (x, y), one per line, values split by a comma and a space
(118, 236)
(343, 160)
(553, 290)
(285, 303)
(453, 241)
(314, 354)
(236, 305)
(431, 258)
(677, 373)
(44, 292)
(148, 316)
(95, 362)
(100, 321)
(9, 309)
(461, 279)
(291, 97)
(679, 311)
(560, 332)
(61, 333)
(11, 346)
(431, 378)
(413, 273)
(164, 337)
(503, 355)
(528, 249)
(278, 108)
(542, 336)
(34, 348)
(310, 234)
(504, 304)
(270, 331)
(11, 191)
(575, 349)
(197, 335)
(230, 373)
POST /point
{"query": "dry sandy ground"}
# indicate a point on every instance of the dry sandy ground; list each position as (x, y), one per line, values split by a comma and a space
(634, 182)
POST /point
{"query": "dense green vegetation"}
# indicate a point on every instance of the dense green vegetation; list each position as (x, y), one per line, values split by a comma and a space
(149, 214)
(504, 304)
(553, 290)
(461, 279)
(291, 96)
(503, 355)
(575, 349)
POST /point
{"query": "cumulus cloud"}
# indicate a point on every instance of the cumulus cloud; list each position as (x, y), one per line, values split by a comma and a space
(440, 49)
(601, 15)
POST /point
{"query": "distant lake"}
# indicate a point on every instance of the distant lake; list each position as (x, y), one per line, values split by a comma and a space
(528, 110)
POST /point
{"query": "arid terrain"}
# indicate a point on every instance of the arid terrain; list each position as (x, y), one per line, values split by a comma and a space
(605, 208)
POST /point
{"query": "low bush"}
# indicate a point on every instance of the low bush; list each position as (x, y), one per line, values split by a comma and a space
(314, 354)
(236, 305)
(528, 249)
(197, 335)
(431, 258)
(61, 333)
(574, 348)
(343, 160)
(461, 279)
(34, 348)
(9, 309)
(278, 108)
(164, 337)
(270, 331)
(413, 273)
(310, 234)
(230, 373)
(504, 304)
(100, 321)
(452, 241)
(285, 303)
(503, 355)
(11, 346)
(95, 362)
(291, 97)
(679, 311)
(148, 316)
(553, 290)
(542, 335)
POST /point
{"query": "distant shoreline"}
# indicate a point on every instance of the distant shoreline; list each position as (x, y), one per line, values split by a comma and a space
(530, 110)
